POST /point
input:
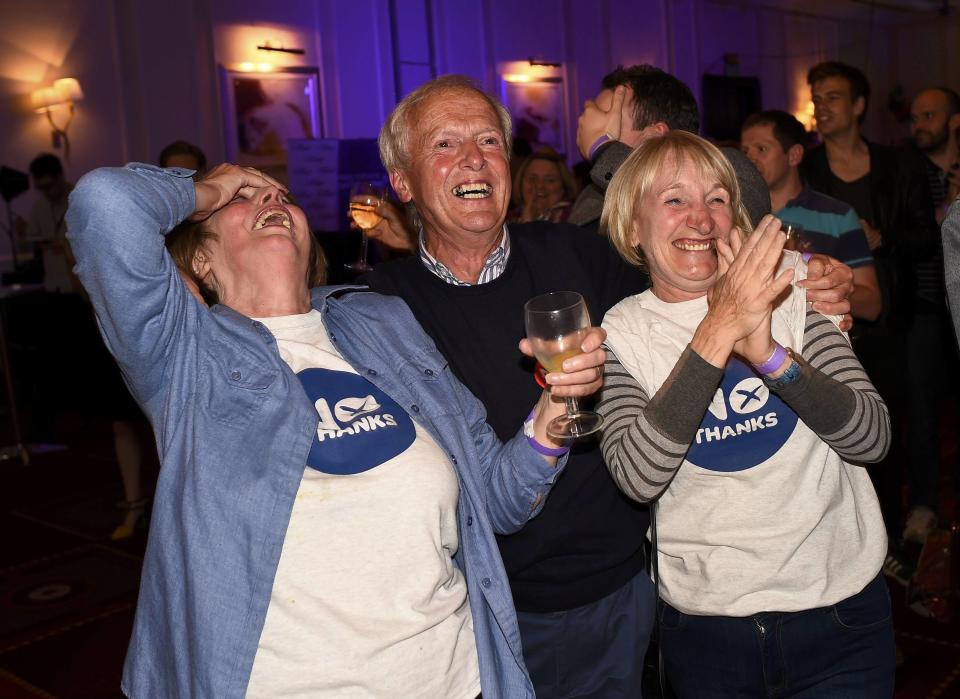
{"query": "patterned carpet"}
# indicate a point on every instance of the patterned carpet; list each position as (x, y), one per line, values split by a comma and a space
(67, 593)
(930, 652)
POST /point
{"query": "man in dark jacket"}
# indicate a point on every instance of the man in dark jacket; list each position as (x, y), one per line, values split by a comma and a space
(888, 189)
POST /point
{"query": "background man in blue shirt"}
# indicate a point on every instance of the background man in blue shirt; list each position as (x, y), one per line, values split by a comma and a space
(774, 142)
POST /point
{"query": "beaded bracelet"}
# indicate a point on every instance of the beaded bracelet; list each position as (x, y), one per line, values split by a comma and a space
(789, 376)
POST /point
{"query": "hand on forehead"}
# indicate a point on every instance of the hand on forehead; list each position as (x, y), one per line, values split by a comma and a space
(605, 101)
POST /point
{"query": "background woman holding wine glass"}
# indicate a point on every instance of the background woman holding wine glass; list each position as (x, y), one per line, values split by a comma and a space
(747, 420)
(364, 211)
(387, 225)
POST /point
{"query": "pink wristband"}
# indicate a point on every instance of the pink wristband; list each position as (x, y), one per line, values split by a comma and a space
(774, 361)
(806, 257)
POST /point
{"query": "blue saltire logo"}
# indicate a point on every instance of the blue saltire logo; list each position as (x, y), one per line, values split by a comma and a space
(359, 426)
(745, 424)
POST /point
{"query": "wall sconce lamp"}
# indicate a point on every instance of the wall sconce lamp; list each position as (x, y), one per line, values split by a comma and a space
(62, 94)
(262, 66)
(270, 46)
(250, 67)
(531, 71)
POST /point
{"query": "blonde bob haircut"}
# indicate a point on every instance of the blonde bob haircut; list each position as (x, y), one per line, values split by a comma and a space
(635, 178)
(394, 139)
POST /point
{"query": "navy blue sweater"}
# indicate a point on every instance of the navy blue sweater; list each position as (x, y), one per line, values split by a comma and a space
(588, 540)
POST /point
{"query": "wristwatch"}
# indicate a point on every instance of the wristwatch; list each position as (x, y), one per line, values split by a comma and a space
(787, 377)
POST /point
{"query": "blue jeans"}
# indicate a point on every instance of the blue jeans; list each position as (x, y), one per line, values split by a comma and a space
(841, 652)
(592, 651)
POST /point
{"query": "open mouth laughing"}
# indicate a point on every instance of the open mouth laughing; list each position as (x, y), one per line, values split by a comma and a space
(273, 216)
(473, 190)
(694, 245)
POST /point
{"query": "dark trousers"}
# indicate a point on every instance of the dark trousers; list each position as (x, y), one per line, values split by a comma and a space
(49, 336)
(845, 651)
(593, 651)
(931, 358)
(883, 354)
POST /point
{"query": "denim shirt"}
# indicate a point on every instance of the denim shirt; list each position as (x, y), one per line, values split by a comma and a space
(233, 428)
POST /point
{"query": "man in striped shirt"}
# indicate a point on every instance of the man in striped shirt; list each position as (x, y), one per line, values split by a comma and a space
(774, 142)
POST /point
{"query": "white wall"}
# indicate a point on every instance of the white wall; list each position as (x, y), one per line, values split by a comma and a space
(149, 69)
(40, 42)
(144, 68)
(777, 41)
(927, 54)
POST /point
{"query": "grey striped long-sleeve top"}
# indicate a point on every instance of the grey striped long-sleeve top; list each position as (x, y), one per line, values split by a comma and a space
(644, 439)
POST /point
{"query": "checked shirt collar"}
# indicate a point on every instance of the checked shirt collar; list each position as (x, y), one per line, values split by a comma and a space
(493, 267)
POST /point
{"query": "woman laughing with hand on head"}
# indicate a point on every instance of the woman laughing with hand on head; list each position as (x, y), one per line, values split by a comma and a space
(325, 515)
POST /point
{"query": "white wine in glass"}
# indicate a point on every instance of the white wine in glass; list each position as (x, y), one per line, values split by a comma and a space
(365, 198)
(556, 325)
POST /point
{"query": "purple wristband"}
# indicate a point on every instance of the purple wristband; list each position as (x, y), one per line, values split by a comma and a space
(596, 145)
(774, 361)
(540, 448)
(806, 257)
(546, 451)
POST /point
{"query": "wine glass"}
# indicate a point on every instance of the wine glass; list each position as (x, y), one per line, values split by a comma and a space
(556, 325)
(796, 240)
(365, 198)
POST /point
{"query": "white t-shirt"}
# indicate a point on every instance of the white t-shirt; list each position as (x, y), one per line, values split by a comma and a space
(762, 515)
(367, 601)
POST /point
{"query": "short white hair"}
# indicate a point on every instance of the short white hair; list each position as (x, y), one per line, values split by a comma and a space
(394, 140)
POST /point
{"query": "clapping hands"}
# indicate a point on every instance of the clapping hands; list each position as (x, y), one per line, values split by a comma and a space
(747, 287)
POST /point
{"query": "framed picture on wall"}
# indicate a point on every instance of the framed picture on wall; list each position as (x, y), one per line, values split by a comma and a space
(263, 110)
(539, 112)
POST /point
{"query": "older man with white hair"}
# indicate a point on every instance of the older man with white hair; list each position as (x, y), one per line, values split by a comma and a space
(577, 571)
